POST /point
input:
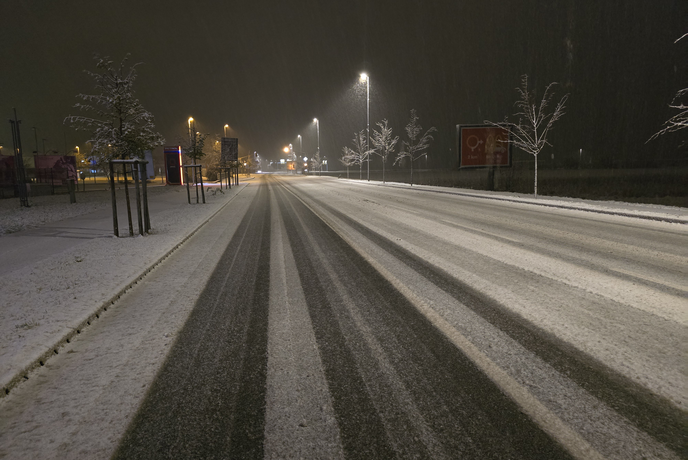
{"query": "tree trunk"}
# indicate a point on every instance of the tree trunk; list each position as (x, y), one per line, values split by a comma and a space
(411, 171)
(536, 176)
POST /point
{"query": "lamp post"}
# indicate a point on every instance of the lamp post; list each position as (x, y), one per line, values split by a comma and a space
(192, 136)
(226, 128)
(300, 144)
(317, 128)
(35, 135)
(366, 78)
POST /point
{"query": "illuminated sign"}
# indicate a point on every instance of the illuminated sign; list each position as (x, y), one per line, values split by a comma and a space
(481, 146)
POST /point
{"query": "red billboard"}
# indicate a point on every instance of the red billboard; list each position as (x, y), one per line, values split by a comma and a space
(6, 170)
(483, 145)
(57, 169)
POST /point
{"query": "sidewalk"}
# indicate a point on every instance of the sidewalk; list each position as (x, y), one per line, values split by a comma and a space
(56, 278)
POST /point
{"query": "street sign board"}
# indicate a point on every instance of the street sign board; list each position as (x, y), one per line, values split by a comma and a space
(483, 146)
(230, 149)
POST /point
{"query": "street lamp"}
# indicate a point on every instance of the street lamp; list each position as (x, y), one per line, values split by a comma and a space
(317, 127)
(192, 138)
(226, 128)
(366, 78)
(300, 144)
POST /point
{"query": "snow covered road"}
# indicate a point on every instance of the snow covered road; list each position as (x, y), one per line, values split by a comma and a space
(347, 320)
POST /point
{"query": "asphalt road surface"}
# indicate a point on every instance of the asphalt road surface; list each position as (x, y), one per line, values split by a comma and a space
(347, 320)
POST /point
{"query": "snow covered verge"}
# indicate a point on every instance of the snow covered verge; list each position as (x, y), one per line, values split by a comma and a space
(43, 304)
(48, 209)
(619, 208)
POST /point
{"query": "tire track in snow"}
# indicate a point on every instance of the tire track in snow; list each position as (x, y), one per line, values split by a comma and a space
(373, 342)
(208, 400)
(646, 410)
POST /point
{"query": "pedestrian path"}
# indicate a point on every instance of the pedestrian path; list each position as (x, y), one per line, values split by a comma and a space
(57, 277)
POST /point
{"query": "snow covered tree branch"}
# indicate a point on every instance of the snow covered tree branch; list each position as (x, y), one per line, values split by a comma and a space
(347, 159)
(316, 162)
(120, 126)
(535, 120)
(358, 155)
(384, 143)
(415, 147)
(194, 146)
(680, 120)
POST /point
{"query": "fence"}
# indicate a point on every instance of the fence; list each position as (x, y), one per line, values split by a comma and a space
(39, 181)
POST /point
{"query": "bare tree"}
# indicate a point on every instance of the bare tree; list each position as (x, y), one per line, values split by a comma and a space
(680, 120)
(359, 154)
(194, 146)
(384, 143)
(348, 159)
(212, 159)
(120, 126)
(316, 162)
(534, 120)
(415, 147)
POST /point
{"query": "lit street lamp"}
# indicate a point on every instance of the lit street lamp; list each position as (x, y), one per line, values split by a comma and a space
(192, 138)
(366, 78)
(226, 128)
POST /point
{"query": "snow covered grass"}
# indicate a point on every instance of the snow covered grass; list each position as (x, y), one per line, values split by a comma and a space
(47, 209)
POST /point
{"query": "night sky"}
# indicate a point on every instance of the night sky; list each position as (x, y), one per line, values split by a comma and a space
(267, 68)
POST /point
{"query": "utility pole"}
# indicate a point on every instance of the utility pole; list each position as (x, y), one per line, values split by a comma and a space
(35, 135)
(19, 160)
